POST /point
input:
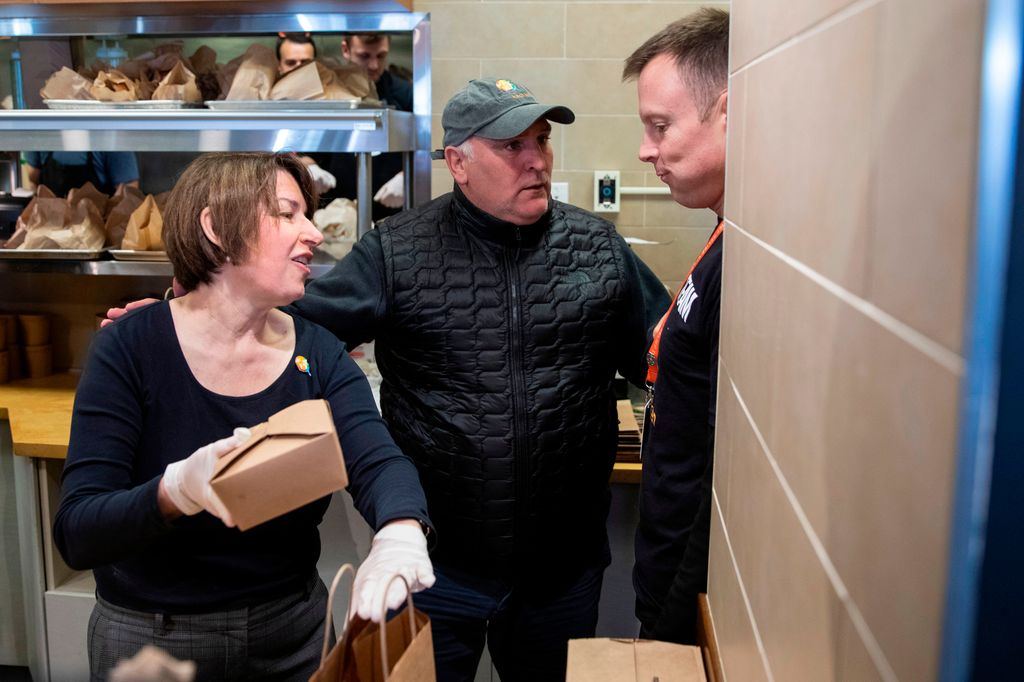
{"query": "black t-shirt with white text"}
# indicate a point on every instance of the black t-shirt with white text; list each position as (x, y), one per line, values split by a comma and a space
(678, 431)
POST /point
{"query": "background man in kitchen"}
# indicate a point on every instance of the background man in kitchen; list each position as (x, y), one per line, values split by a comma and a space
(294, 50)
(371, 51)
(500, 319)
(682, 79)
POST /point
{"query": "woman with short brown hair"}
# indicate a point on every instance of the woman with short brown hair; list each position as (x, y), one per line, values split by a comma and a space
(175, 378)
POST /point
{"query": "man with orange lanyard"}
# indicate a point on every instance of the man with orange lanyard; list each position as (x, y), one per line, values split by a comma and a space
(682, 76)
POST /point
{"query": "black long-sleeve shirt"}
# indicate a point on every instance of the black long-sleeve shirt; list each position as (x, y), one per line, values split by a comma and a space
(138, 408)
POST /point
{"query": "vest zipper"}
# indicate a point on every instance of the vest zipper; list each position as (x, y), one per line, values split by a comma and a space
(520, 437)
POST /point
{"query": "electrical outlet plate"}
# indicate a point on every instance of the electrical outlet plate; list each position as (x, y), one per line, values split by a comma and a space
(606, 191)
(560, 191)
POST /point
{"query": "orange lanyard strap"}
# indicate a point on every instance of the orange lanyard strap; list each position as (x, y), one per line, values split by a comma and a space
(652, 353)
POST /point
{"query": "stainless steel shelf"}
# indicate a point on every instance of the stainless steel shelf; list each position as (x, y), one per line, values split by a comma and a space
(108, 267)
(359, 130)
(87, 267)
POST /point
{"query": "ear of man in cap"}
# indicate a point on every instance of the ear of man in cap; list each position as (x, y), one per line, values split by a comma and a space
(495, 108)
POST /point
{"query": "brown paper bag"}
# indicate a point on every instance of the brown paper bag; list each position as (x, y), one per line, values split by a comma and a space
(255, 76)
(83, 228)
(66, 84)
(120, 208)
(145, 228)
(299, 84)
(179, 84)
(204, 60)
(114, 86)
(401, 650)
(44, 214)
(135, 69)
(144, 88)
(338, 664)
(345, 81)
(89, 192)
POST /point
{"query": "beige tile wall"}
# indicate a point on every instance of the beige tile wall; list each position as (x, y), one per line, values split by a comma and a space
(571, 53)
(849, 222)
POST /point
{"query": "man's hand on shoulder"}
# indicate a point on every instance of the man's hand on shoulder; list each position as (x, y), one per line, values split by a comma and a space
(115, 314)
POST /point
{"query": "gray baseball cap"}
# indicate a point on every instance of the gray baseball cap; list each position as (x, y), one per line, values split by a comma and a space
(495, 108)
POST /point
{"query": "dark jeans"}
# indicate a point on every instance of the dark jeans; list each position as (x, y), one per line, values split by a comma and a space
(276, 640)
(527, 634)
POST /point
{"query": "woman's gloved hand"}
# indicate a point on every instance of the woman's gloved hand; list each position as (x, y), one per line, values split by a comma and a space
(400, 547)
(392, 193)
(187, 482)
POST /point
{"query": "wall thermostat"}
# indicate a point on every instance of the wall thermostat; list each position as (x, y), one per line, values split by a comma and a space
(606, 191)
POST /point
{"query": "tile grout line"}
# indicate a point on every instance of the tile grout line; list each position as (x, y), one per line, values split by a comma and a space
(743, 592)
(565, 30)
(818, 27)
(934, 350)
(867, 637)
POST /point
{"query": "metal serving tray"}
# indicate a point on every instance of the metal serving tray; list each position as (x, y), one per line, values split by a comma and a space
(149, 256)
(292, 104)
(50, 254)
(97, 105)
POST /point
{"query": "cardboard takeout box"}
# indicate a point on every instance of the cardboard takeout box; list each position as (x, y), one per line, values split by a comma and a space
(629, 660)
(291, 459)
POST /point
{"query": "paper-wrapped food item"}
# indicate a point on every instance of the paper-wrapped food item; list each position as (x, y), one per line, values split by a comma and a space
(256, 74)
(204, 60)
(50, 222)
(144, 88)
(136, 69)
(345, 81)
(204, 65)
(179, 84)
(114, 86)
(337, 223)
(144, 231)
(89, 192)
(66, 84)
(30, 216)
(299, 84)
(120, 208)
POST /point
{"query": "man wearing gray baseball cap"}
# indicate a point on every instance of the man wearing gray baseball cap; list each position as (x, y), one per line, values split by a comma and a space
(500, 318)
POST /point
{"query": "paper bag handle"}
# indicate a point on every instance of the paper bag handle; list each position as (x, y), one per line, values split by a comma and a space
(347, 568)
(383, 630)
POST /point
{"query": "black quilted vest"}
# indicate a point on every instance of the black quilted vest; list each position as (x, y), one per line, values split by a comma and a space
(503, 338)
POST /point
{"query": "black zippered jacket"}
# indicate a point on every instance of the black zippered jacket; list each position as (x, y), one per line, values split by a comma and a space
(497, 345)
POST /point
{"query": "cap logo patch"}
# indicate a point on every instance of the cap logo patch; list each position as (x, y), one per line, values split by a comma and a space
(506, 86)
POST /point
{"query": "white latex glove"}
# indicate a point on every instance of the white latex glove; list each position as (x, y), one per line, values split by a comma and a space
(397, 548)
(153, 664)
(321, 178)
(187, 482)
(392, 192)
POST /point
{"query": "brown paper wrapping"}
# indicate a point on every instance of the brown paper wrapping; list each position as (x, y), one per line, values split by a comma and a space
(136, 69)
(66, 84)
(145, 87)
(124, 202)
(89, 192)
(345, 81)
(145, 228)
(179, 84)
(256, 75)
(55, 224)
(204, 60)
(299, 84)
(114, 86)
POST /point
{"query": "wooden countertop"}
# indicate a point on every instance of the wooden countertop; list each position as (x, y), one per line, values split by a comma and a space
(40, 414)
